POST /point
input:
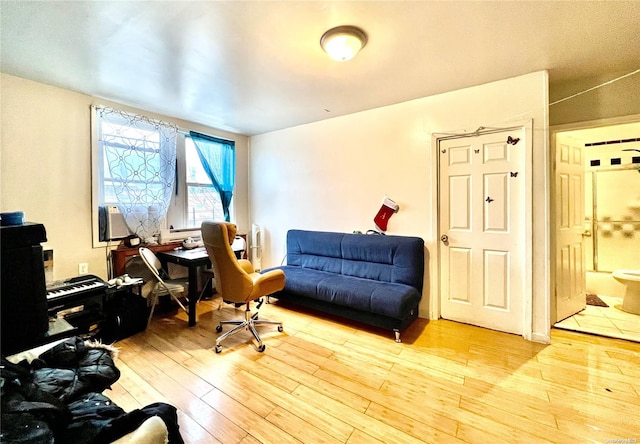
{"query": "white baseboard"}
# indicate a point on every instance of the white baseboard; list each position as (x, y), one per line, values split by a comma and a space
(541, 338)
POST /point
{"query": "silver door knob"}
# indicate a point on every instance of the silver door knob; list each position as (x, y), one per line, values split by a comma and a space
(444, 238)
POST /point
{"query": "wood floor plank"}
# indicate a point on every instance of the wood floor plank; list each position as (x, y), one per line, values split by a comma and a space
(419, 429)
(125, 400)
(192, 432)
(423, 410)
(359, 437)
(482, 421)
(317, 417)
(587, 432)
(292, 359)
(247, 420)
(324, 380)
(421, 367)
(536, 408)
(354, 418)
(176, 372)
(608, 386)
(137, 387)
(209, 418)
(299, 428)
(517, 420)
(596, 411)
(330, 390)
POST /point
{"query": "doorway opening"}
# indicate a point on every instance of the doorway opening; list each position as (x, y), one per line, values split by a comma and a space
(611, 228)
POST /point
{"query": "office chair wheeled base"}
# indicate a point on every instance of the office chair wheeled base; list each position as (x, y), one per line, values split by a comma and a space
(249, 323)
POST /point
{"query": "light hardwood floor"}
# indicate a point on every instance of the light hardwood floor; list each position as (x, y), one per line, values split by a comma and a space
(328, 381)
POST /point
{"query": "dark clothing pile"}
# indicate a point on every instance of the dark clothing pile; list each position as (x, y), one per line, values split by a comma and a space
(57, 399)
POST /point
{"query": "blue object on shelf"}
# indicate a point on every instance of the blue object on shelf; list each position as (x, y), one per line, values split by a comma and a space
(12, 218)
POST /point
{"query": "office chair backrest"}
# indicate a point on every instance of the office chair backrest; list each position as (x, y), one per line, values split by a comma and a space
(232, 281)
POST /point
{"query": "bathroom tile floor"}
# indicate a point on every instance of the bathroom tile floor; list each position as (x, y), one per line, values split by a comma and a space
(608, 321)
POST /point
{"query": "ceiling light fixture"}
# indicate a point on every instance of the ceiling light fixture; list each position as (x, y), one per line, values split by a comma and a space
(343, 42)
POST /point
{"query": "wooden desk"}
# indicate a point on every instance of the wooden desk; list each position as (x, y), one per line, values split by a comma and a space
(192, 259)
(119, 256)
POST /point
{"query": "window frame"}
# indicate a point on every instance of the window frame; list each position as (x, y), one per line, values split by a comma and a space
(178, 207)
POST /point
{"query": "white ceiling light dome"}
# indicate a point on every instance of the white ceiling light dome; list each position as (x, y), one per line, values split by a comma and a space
(343, 42)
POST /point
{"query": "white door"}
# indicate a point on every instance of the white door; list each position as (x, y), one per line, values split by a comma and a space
(482, 227)
(569, 223)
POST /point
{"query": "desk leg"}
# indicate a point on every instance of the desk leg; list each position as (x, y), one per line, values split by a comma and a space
(193, 294)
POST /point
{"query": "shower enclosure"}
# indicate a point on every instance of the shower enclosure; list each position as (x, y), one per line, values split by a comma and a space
(612, 211)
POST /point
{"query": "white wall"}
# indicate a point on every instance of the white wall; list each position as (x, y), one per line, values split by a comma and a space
(612, 100)
(329, 175)
(46, 167)
(332, 175)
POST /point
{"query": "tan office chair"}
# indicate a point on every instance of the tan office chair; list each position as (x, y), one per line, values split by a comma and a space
(236, 280)
(162, 287)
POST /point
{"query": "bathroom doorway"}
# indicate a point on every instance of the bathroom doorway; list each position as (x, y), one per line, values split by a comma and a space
(611, 231)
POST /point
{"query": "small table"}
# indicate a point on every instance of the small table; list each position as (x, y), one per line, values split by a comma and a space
(192, 259)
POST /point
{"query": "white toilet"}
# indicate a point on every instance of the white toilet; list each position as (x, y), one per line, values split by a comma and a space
(631, 279)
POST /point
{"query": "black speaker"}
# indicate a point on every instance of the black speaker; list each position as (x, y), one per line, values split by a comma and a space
(126, 314)
(23, 289)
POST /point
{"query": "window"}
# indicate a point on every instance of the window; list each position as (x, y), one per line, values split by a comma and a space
(157, 176)
(217, 157)
(138, 168)
(203, 200)
(141, 146)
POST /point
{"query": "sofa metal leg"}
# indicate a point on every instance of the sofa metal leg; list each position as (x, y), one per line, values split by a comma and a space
(397, 333)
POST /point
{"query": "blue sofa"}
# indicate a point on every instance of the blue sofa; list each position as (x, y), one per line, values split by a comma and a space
(372, 279)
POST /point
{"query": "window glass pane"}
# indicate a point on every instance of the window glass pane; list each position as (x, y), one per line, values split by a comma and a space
(203, 201)
(203, 204)
(134, 154)
(195, 171)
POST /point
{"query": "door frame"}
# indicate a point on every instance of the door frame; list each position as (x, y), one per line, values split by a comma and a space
(553, 131)
(437, 138)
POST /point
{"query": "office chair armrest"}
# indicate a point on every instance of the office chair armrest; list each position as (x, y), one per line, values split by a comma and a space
(246, 265)
(268, 283)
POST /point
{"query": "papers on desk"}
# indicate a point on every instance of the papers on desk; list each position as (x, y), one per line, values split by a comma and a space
(198, 252)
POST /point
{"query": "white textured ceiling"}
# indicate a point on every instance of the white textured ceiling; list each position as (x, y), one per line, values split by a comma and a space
(253, 67)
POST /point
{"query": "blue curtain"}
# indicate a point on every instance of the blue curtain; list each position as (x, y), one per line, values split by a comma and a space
(218, 157)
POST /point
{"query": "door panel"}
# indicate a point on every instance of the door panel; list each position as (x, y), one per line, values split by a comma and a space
(570, 260)
(496, 215)
(496, 279)
(460, 210)
(460, 274)
(482, 219)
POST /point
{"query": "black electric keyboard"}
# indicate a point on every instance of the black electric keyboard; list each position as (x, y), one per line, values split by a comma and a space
(78, 302)
(86, 285)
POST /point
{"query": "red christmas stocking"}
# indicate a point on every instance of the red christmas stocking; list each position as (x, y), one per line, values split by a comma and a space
(382, 218)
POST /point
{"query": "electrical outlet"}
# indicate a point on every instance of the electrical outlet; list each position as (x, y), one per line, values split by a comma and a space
(83, 268)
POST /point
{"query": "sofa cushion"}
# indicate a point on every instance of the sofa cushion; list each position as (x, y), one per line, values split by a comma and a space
(384, 298)
(393, 300)
(393, 259)
(301, 280)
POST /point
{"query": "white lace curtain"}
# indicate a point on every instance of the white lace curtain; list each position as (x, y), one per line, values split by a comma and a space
(139, 167)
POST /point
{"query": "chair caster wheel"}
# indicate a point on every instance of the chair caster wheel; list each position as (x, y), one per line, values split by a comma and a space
(218, 348)
(262, 348)
(219, 329)
(280, 329)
